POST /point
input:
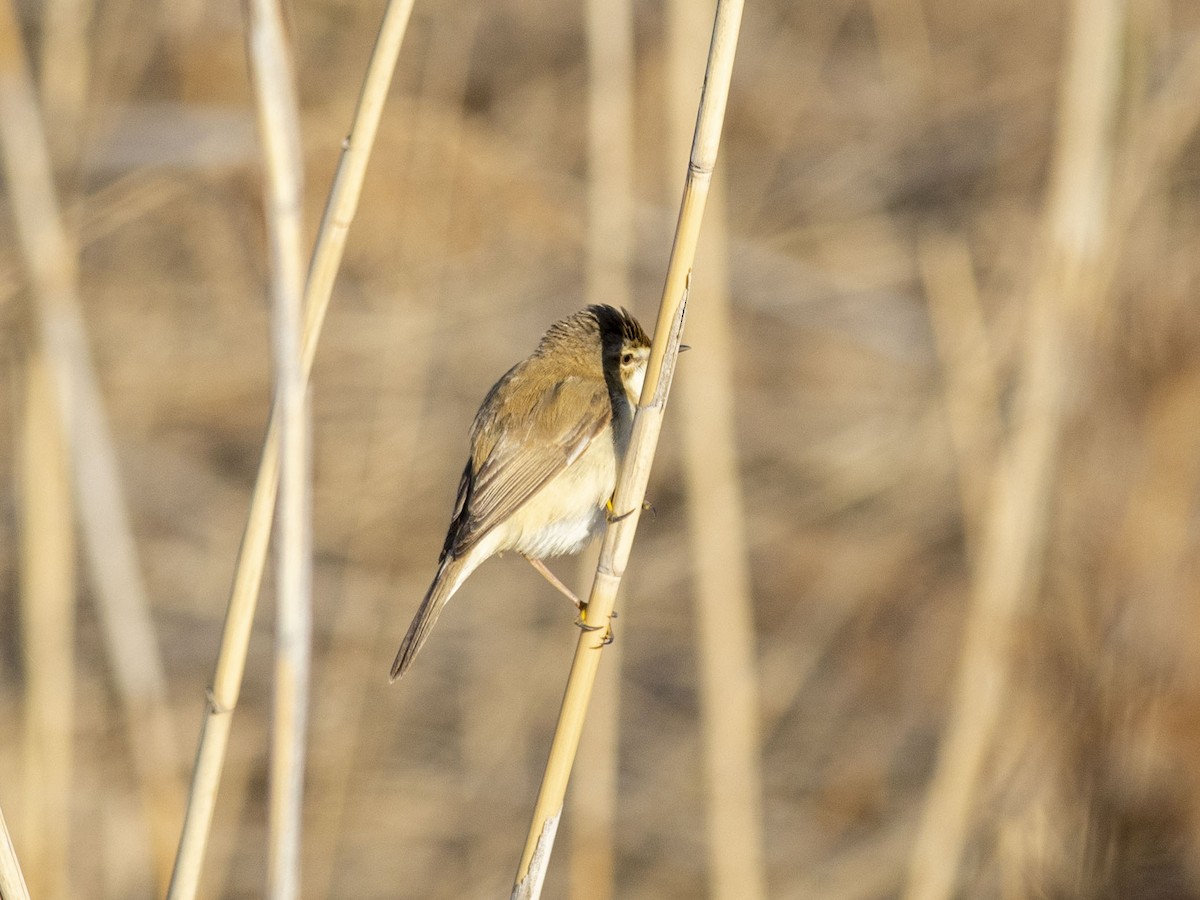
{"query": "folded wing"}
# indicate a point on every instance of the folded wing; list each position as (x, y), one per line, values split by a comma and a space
(518, 450)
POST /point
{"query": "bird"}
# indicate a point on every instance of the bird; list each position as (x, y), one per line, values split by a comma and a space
(546, 447)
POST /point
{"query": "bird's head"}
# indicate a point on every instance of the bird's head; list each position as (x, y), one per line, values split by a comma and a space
(626, 348)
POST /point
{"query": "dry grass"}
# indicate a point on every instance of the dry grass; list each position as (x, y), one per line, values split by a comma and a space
(278, 112)
(886, 176)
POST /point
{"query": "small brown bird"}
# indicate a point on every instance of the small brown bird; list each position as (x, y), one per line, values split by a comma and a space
(545, 449)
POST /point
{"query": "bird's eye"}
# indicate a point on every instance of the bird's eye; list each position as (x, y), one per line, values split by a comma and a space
(626, 358)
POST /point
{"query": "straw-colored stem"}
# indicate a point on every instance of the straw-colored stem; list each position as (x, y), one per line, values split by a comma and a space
(240, 773)
(423, 246)
(346, 671)
(279, 132)
(971, 385)
(348, 179)
(610, 150)
(635, 473)
(1011, 550)
(243, 600)
(721, 579)
(222, 697)
(64, 73)
(721, 582)
(12, 882)
(1160, 131)
(48, 615)
(104, 516)
(609, 241)
(593, 801)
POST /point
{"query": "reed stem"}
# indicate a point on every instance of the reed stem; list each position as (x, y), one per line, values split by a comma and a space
(222, 697)
(635, 473)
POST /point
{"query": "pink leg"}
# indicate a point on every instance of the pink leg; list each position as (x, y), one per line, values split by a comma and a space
(553, 579)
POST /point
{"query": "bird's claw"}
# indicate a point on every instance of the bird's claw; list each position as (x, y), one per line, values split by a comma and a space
(611, 515)
(582, 625)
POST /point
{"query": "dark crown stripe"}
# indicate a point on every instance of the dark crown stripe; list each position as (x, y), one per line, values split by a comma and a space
(620, 320)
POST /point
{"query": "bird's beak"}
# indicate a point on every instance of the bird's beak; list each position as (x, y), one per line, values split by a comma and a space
(683, 347)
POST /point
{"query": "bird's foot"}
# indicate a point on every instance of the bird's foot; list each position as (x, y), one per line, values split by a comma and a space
(611, 515)
(582, 625)
(581, 622)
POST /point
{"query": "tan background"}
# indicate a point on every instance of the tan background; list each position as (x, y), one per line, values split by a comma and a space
(876, 154)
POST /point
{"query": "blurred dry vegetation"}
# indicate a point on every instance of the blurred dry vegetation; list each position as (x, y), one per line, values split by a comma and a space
(886, 165)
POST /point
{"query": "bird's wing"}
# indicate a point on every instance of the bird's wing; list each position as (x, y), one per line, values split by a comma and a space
(520, 441)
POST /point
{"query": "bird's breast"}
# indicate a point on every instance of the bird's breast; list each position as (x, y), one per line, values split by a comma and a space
(568, 512)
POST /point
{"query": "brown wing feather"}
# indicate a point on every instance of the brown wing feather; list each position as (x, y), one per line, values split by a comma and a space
(521, 439)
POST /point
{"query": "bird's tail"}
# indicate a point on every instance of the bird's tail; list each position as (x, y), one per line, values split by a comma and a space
(450, 575)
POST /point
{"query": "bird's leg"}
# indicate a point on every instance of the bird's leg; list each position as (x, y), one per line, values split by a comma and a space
(581, 621)
(553, 579)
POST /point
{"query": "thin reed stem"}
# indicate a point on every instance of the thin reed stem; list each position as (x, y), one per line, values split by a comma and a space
(730, 715)
(239, 617)
(343, 693)
(64, 63)
(593, 801)
(279, 130)
(48, 613)
(971, 385)
(609, 242)
(122, 603)
(635, 473)
(1065, 294)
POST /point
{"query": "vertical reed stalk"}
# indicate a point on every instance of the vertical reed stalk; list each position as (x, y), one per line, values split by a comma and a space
(971, 385)
(593, 802)
(239, 616)
(240, 772)
(610, 150)
(635, 473)
(279, 131)
(122, 604)
(1011, 551)
(48, 615)
(724, 606)
(609, 26)
(64, 74)
(348, 671)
